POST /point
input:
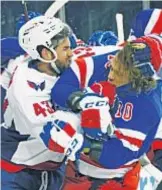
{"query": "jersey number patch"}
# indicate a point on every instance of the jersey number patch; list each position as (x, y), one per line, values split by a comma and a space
(125, 111)
(43, 108)
(84, 52)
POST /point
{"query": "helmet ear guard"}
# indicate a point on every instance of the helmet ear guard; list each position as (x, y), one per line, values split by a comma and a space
(54, 55)
(52, 62)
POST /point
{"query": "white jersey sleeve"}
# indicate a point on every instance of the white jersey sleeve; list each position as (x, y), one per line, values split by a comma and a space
(12, 64)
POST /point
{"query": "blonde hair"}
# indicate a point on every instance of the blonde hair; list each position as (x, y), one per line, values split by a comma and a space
(138, 81)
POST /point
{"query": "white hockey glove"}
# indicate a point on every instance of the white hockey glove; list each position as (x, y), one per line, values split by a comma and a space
(95, 113)
(95, 116)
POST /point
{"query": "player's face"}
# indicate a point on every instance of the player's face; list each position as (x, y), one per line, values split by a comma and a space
(118, 75)
(64, 54)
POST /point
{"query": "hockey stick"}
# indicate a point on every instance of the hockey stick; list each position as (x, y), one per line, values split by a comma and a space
(25, 10)
(154, 172)
(120, 28)
(149, 168)
(55, 7)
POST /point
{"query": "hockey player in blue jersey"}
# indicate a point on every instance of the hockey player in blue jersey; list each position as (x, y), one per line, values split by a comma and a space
(148, 22)
(82, 74)
(136, 120)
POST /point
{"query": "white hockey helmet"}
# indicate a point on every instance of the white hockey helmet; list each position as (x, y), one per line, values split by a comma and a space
(39, 31)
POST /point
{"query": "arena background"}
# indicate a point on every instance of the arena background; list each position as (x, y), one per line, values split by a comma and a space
(84, 17)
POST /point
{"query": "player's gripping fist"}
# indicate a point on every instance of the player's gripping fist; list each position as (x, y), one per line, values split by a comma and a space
(95, 116)
(103, 89)
(95, 104)
(61, 136)
(106, 89)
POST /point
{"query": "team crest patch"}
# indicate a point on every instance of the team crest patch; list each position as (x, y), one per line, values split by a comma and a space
(138, 45)
(35, 86)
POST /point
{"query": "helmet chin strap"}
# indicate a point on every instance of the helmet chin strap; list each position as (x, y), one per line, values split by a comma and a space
(53, 65)
(53, 62)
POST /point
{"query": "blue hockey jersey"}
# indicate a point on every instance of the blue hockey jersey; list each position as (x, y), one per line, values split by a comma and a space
(137, 121)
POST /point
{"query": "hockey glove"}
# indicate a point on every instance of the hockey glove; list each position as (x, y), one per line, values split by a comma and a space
(60, 136)
(95, 116)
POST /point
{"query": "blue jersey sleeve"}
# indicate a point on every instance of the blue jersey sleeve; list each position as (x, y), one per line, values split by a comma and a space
(67, 84)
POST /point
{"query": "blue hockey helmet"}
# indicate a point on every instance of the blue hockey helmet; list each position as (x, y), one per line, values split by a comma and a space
(108, 38)
(94, 38)
(101, 38)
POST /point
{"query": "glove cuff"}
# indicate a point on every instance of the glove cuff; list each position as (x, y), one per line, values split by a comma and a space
(74, 99)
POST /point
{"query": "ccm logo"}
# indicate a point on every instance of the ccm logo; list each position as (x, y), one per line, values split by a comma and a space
(96, 104)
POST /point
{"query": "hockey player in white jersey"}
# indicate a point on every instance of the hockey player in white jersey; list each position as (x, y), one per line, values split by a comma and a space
(33, 156)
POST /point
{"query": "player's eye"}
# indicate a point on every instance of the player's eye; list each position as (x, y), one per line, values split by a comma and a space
(66, 48)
